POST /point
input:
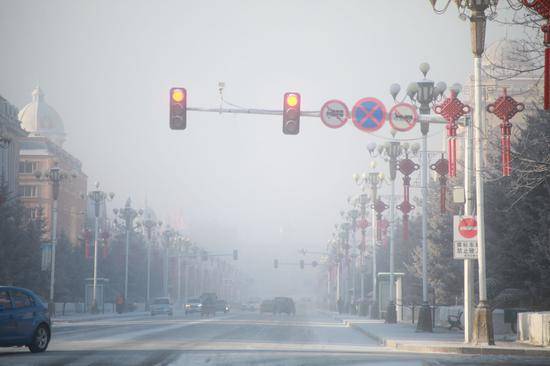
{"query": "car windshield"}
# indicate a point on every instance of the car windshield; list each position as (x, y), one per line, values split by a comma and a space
(275, 182)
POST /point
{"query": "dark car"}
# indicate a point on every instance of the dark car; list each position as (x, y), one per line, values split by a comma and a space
(284, 305)
(222, 305)
(266, 306)
(24, 319)
(162, 305)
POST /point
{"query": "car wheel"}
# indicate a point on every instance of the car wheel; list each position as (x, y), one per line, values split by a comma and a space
(40, 339)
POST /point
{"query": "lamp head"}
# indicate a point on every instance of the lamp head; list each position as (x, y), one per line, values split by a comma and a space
(394, 90)
(371, 146)
(424, 68)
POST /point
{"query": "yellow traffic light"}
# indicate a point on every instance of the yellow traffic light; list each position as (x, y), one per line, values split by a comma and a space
(291, 100)
(178, 95)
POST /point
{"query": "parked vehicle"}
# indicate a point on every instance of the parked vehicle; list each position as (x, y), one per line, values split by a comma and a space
(24, 319)
(208, 307)
(284, 305)
(193, 306)
(250, 306)
(266, 306)
(222, 305)
(162, 305)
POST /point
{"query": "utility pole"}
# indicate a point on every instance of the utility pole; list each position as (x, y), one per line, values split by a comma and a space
(468, 263)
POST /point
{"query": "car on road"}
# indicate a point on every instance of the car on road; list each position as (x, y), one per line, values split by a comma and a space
(266, 306)
(284, 305)
(193, 306)
(162, 305)
(222, 305)
(24, 319)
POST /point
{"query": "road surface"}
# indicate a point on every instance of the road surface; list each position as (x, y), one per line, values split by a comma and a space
(239, 338)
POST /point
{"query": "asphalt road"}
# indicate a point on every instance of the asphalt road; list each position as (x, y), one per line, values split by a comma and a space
(233, 339)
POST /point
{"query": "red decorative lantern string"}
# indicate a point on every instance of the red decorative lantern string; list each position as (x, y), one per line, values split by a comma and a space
(452, 109)
(363, 224)
(441, 167)
(542, 7)
(384, 225)
(406, 167)
(87, 238)
(379, 207)
(505, 107)
(105, 240)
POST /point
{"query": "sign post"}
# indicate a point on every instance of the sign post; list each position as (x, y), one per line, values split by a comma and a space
(464, 237)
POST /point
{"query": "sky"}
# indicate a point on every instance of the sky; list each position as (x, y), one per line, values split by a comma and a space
(237, 182)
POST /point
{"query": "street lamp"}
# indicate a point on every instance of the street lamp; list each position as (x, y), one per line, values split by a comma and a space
(98, 197)
(55, 175)
(424, 94)
(478, 11)
(128, 215)
(362, 200)
(149, 223)
(167, 241)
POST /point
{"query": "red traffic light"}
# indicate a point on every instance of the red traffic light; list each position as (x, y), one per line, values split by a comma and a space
(178, 108)
(291, 113)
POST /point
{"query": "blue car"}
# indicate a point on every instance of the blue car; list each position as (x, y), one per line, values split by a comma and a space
(24, 319)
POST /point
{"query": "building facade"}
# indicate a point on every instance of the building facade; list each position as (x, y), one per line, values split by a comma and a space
(10, 134)
(41, 151)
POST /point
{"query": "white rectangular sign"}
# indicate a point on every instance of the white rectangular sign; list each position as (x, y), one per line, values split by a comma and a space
(464, 237)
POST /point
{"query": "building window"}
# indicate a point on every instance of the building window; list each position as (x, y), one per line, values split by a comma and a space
(32, 213)
(28, 191)
(28, 166)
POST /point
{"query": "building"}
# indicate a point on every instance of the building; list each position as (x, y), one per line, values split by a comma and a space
(10, 134)
(39, 152)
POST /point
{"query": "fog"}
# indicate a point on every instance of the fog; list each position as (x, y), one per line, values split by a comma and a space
(228, 181)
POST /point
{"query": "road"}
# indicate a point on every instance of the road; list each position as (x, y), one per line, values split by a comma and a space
(232, 339)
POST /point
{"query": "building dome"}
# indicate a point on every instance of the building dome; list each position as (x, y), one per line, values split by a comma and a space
(505, 58)
(40, 119)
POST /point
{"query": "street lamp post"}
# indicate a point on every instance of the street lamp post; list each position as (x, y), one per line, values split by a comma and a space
(55, 175)
(424, 93)
(167, 236)
(362, 181)
(149, 223)
(475, 11)
(98, 197)
(128, 215)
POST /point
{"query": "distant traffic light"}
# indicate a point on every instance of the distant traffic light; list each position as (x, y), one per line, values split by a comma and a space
(291, 113)
(314, 264)
(178, 108)
(302, 264)
(235, 254)
(275, 263)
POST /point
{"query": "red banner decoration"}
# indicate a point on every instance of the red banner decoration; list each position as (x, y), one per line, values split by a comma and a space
(542, 7)
(406, 167)
(441, 167)
(379, 207)
(452, 109)
(87, 239)
(505, 107)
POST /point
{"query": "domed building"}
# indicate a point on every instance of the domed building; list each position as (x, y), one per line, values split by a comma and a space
(40, 151)
(40, 119)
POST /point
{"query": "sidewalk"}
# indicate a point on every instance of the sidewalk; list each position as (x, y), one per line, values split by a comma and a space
(79, 317)
(403, 336)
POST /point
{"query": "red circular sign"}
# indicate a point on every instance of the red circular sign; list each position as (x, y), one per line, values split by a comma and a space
(403, 117)
(334, 113)
(368, 114)
(467, 227)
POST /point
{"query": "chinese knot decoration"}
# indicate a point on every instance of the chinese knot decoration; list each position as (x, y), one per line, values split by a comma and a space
(505, 107)
(363, 224)
(441, 167)
(379, 207)
(406, 167)
(542, 7)
(86, 238)
(452, 109)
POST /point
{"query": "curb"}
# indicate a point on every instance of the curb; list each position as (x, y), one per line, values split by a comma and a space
(465, 349)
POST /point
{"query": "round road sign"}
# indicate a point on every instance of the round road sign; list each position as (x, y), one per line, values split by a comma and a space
(467, 227)
(334, 113)
(403, 117)
(368, 114)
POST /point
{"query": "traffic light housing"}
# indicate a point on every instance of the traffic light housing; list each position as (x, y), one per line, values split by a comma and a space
(178, 108)
(235, 254)
(302, 264)
(314, 264)
(291, 113)
(275, 263)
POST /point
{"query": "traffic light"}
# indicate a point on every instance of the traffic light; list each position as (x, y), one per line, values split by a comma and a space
(178, 108)
(302, 264)
(291, 113)
(275, 263)
(235, 254)
(314, 264)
